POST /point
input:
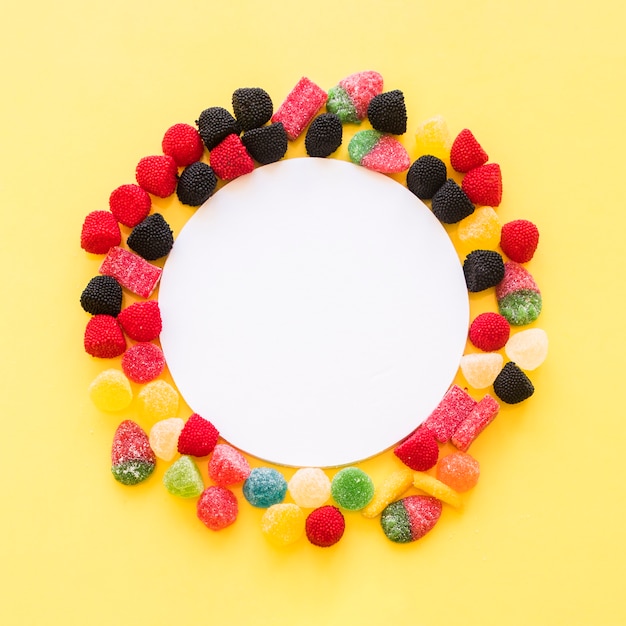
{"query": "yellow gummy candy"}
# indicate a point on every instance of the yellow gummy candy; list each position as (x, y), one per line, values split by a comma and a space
(283, 523)
(480, 230)
(164, 437)
(433, 137)
(389, 491)
(437, 489)
(111, 391)
(158, 400)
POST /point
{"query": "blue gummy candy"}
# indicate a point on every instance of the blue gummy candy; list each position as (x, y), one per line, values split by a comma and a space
(264, 487)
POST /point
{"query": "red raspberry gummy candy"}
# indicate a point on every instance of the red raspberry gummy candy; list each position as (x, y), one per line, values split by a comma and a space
(130, 204)
(325, 526)
(100, 232)
(183, 143)
(489, 332)
(198, 437)
(141, 321)
(519, 239)
(104, 337)
(419, 451)
(217, 507)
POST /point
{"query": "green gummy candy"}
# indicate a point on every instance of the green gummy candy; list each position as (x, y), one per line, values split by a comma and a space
(362, 143)
(352, 489)
(183, 478)
(132, 472)
(396, 524)
(521, 307)
(340, 103)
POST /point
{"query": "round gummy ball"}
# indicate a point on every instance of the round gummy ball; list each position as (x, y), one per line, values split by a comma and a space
(458, 470)
(264, 486)
(309, 487)
(111, 391)
(143, 362)
(217, 507)
(352, 488)
(283, 523)
(158, 400)
(325, 526)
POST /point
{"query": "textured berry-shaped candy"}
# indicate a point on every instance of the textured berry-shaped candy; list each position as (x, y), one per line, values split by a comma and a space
(352, 489)
(141, 321)
(482, 269)
(426, 176)
(252, 107)
(519, 298)
(111, 391)
(300, 107)
(130, 204)
(450, 203)
(157, 174)
(350, 98)
(283, 523)
(151, 239)
(483, 185)
(410, 518)
(480, 417)
(104, 337)
(378, 152)
(132, 458)
(143, 362)
(324, 135)
(230, 159)
(102, 295)
(419, 451)
(183, 143)
(228, 466)
(466, 153)
(512, 385)
(131, 271)
(196, 184)
(198, 437)
(519, 240)
(100, 232)
(217, 507)
(387, 112)
(183, 478)
(215, 124)
(264, 487)
(267, 144)
(489, 331)
(433, 137)
(325, 526)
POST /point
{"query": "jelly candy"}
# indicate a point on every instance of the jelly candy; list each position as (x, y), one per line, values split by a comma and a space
(309, 487)
(111, 391)
(158, 400)
(352, 488)
(164, 437)
(528, 348)
(390, 490)
(283, 523)
(480, 417)
(433, 487)
(410, 518)
(458, 470)
(481, 369)
(183, 478)
(264, 486)
(449, 413)
(217, 507)
(132, 458)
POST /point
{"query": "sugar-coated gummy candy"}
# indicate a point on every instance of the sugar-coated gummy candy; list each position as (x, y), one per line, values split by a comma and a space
(143, 362)
(131, 271)
(454, 407)
(300, 107)
(480, 369)
(164, 437)
(528, 348)
(132, 458)
(325, 526)
(351, 97)
(111, 391)
(309, 487)
(352, 489)
(183, 478)
(390, 490)
(217, 507)
(433, 137)
(437, 489)
(378, 152)
(459, 470)
(265, 486)
(283, 523)
(157, 400)
(410, 518)
(519, 298)
(480, 230)
(479, 418)
(228, 466)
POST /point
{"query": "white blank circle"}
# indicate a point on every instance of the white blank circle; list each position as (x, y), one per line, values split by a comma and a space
(314, 311)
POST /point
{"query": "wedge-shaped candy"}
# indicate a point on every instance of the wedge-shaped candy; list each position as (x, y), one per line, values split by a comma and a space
(351, 97)
(132, 458)
(519, 298)
(379, 152)
(410, 519)
(183, 478)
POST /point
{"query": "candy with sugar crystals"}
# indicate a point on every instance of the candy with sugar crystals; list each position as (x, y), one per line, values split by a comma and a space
(388, 491)
(217, 507)
(479, 418)
(481, 369)
(352, 488)
(228, 466)
(264, 486)
(309, 487)
(111, 391)
(183, 478)
(449, 413)
(132, 458)
(351, 97)
(519, 298)
(433, 487)
(283, 523)
(410, 518)
(164, 437)
(378, 152)
(131, 271)
(433, 137)
(143, 362)
(458, 470)
(528, 348)
(480, 230)
(300, 107)
(158, 400)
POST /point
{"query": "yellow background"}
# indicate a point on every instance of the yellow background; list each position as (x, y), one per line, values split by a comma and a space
(88, 88)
